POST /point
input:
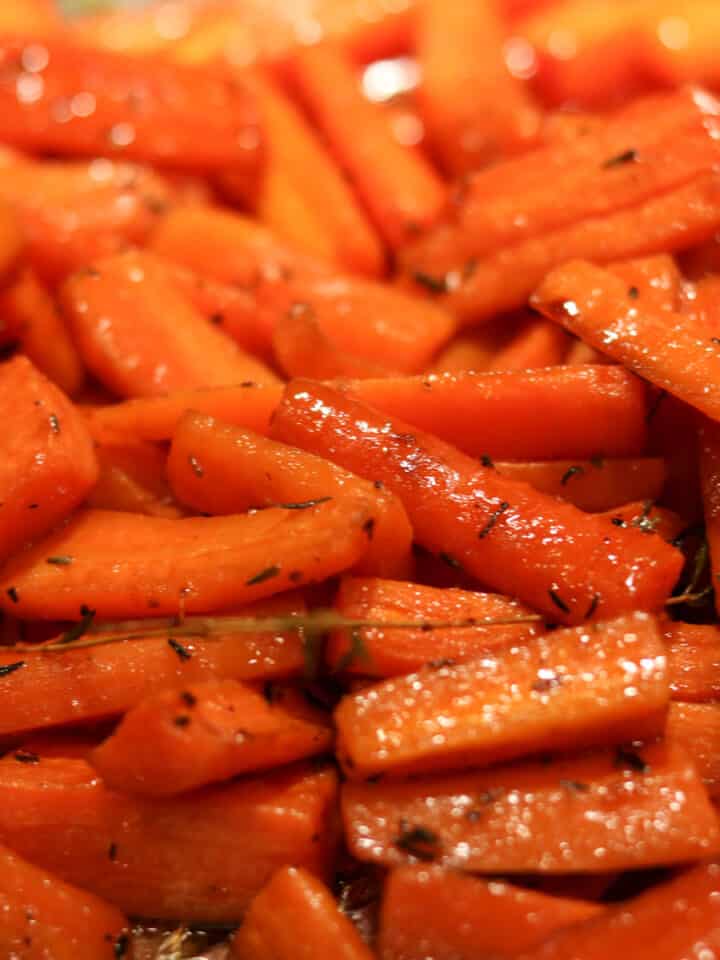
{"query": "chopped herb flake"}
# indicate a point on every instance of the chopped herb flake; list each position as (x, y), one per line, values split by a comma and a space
(432, 283)
(575, 786)
(626, 757)
(486, 461)
(188, 698)
(305, 504)
(267, 574)
(182, 720)
(628, 156)
(558, 601)
(80, 628)
(450, 561)
(25, 756)
(574, 471)
(633, 293)
(369, 528)
(112, 852)
(9, 668)
(179, 649)
(493, 520)
(60, 561)
(357, 652)
(593, 606)
(13, 594)
(419, 842)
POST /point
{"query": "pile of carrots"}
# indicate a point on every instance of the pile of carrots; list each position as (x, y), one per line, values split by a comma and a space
(360, 480)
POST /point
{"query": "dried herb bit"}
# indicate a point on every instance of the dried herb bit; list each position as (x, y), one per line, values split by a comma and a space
(217, 318)
(432, 283)
(267, 574)
(270, 692)
(189, 699)
(369, 528)
(357, 652)
(196, 466)
(63, 561)
(575, 786)
(305, 504)
(593, 606)
(113, 852)
(618, 522)
(493, 519)
(628, 758)
(419, 842)
(179, 649)
(574, 471)
(9, 668)
(25, 756)
(597, 461)
(558, 601)
(378, 484)
(628, 156)
(182, 720)
(450, 560)
(650, 416)
(487, 461)
(81, 627)
(295, 576)
(13, 594)
(633, 293)
(644, 522)
(714, 339)
(122, 945)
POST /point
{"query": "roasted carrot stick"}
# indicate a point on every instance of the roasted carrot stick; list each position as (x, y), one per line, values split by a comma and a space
(31, 316)
(217, 468)
(643, 928)
(295, 917)
(398, 187)
(40, 916)
(667, 349)
(475, 110)
(573, 688)
(130, 565)
(589, 814)
(431, 911)
(205, 733)
(538, 344)
(594, 485)
(49, 465)
(201, 857)
(82, 102)
(647, 517)
(696, 727)
(586, 567)
(132, 479)
(48, 689)
(140, 337)
(694, 658)
(388, 653)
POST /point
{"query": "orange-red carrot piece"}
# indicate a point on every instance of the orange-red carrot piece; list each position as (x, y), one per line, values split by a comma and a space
(48, 689)
(294, 917)
(585, 567)
(40, 916)
(388, 653)
(428, 911)
(594, 485)
(200, 857)
(647, 517)
(589, 814)
(140, 337)
(65, 99)
(49, 465)
(539, 344)
(32, 317)
(132, 479)
(645, 928)
(476, 111)
(204, 733)
(655, 281)
(694, 657)
(696, 727)
(399, 188)
(220, 469)
(131, 565)
(473, 350)
(550, 414)
(581, 687)
(580, 352)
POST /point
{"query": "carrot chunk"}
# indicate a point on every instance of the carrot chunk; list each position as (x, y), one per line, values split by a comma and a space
(694, 656)
(696, 727)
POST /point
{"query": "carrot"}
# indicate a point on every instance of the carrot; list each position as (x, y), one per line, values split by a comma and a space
(220, 469)
(487, 522)
(132, 479)
(204, 733)
(130, 565)
(666, 349)
(474, 108)
(647, 517)
(40, 916)
(700, 302)
(45, 689)
(388, 653)
(32, 316)
(574, 688)
(248, 404)
(709, 444)
(11, 239)
(73, 213)
(473, 350)
(589, 814)
(580, 352)
(428, 911)
(201, 857)
(543, 415)
(399, 188)
(694, 657)
(140, 337)
(538, 344)
(655, 281)
(49, 466)
(294, 917)
(673, 435)
(595, 485)
(642, 928)
(177, 117)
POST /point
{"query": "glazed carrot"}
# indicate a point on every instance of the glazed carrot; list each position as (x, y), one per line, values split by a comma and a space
(696, 727)
(389, 653)
(73, 213)
(643, 929)
(700, 302)
(570, 689)
(295, 917)
(655, 281)
(247, 405)
(475, 110)
(204, 733)
(542, 415)
(132, 479)
(585, 568)
(694, 658)
(398, 187)
(538, 344)
(49, 466)
(430, 911)
(594, 485)
(31, 315)
(217, 468)
(474, 350)
(647, 517)
(140, 337)
(589, 814)
(666, 349)
(177, 117)
(78, 685)
(40, 916)
(201, 857)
